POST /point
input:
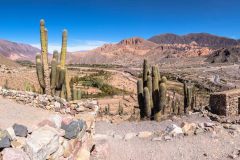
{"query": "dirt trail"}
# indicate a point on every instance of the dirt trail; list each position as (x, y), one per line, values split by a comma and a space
(203, 146)
(11, 113)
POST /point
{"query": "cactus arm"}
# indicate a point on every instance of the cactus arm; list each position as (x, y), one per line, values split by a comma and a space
(140, 97)
(53, 75)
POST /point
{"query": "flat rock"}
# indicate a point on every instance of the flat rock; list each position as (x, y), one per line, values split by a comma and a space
(14, 154)
(42, 142)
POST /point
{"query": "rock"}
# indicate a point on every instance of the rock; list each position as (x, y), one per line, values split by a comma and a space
(56, 155)
(144, 134)
(173, 130)
(42, 142)
(83, 154)
(5, 142)
(47, 122)
(14, 154)
(11, 133)
(167, 138)
(57, 104)
(129, 136)
(57, 120)
(157, 139)
(209, 124)
(116, 136)
(73, 129)
(19, 142)
(100, 150)
(188, 128)
(20, 130)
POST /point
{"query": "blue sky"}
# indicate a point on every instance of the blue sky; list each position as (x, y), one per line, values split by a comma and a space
(91, 23)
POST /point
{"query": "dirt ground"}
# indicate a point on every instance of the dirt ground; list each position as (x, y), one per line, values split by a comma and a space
(12, 112)
(214, 145)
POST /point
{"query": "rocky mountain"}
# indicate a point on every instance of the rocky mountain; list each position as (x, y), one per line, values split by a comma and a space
(133, 50)
(7, 62)
(17, 51)
(225, 55)
(202, 39)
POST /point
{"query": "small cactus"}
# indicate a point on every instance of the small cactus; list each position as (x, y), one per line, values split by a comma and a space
(149, 86)
(188, 96)
(64, 48)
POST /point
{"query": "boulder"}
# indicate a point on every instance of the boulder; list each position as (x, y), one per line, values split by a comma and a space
(20, 130)
(14, 154)
(73, 128)
(4, 139)
(42, 143)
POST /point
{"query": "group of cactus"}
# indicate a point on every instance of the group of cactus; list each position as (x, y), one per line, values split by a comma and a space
(152, 93)
(56, 81)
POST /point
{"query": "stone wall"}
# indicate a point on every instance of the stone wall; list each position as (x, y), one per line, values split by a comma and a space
(68, 135)
(225, 103)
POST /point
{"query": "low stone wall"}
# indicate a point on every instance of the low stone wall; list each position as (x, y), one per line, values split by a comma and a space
(65, 136)
(225, 103)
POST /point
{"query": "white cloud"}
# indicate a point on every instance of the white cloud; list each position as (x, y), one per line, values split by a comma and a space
(79, 45)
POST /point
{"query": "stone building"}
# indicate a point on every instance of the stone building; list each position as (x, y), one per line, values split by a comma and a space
(225, 103)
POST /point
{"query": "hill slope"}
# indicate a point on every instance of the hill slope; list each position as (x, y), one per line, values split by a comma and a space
(132, 51)
(202, 39)
(17, 51)
(225, 55)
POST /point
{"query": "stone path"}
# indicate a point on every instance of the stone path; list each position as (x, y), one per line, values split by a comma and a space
(11, 113)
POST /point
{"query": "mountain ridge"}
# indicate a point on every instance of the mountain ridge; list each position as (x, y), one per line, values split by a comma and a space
(202, 39)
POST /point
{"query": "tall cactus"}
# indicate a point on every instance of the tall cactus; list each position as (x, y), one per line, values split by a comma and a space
(145, 72)
(64, 48)
(57, 83)
(147, 103)
(162, 100)
(140, 97)
(155, 84)
(45, 57)
(188, 96)
(149, 86)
